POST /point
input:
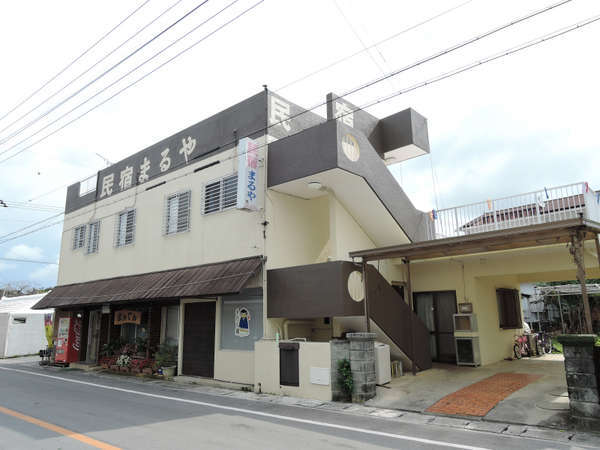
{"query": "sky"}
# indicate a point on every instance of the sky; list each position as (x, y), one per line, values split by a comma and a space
(518, 124)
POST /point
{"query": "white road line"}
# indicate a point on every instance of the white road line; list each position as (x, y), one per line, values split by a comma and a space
(256, 413)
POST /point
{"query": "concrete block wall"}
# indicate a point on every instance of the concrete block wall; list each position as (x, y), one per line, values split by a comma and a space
(359, 349)
(582, 367)
(362, 362)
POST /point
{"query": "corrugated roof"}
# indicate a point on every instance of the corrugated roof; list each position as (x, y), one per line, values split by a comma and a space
(209, 279)
(21, 304)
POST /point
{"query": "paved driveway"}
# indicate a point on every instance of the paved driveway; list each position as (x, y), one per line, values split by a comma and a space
(542, 402)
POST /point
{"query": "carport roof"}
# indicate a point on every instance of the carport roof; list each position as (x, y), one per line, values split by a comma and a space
(528, 236)
(208, 279)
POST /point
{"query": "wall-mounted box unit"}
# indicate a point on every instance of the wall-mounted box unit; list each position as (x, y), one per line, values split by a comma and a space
(467, 351)
(465, 322)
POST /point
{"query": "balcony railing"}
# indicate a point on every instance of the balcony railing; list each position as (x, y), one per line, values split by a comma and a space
(543, 206)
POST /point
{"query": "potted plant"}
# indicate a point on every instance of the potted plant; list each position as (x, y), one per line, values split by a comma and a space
(166, 359)
(124, 362)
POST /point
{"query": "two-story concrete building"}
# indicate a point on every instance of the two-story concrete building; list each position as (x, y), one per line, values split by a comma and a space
(241, 230)
(212, 235)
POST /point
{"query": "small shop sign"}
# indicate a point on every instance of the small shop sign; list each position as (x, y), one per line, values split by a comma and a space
(127, 316)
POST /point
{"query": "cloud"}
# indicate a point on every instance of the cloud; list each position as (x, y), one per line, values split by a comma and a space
(24, 251)
(45, 275)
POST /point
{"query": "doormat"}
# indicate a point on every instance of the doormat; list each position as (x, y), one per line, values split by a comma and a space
(479, 398)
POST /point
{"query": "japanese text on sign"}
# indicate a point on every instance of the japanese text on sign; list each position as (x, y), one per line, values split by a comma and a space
(126, 316)
(247, 175)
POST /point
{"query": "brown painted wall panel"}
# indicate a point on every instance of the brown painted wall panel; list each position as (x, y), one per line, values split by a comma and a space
(311, 291)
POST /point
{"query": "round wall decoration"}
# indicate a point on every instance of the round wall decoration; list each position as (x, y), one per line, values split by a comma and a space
(356, 287)
(350, 147)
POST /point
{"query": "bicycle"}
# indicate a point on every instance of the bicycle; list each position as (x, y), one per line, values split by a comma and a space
(520, 348)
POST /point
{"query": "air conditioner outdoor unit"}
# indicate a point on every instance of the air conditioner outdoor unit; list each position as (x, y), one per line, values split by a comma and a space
(467, 351)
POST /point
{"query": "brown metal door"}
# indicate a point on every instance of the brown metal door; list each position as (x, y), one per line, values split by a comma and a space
(199, 339)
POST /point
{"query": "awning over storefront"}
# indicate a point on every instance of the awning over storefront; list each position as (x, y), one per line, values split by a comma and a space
(206, 280)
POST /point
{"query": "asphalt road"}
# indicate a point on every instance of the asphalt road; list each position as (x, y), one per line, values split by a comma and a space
(51, 409)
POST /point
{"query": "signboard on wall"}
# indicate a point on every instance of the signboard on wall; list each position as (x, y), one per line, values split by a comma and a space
(127, 316)
(248, 189)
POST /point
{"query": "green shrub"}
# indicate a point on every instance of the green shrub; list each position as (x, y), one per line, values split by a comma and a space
(345, 377)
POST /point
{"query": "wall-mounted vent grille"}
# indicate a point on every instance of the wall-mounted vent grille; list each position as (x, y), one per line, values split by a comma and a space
(177, 213)
(79, 237)
(125, 228)
(93, 237)
(220, 194)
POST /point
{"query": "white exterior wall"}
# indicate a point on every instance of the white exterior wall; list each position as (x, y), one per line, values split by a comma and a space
(4, 318)
(219, 236)
(23, 338)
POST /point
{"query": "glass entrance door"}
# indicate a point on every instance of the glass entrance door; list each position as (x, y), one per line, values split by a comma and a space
(436, 310)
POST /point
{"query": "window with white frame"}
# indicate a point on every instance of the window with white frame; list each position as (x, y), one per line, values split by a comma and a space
(220, 194)
(93, 236)
(79, 237)
(177, 213)
(125, 228)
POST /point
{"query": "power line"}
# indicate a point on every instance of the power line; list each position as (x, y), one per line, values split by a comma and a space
(115, 82)
(28, 261)
(30, 225)
(60, 72)
(339, 61)
(478, 63)
(350, 92)
(85, 86)
(376, 44)
(27, 205)
(128, 86)
(89, 68)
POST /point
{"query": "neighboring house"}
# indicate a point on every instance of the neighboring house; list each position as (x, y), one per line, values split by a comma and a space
(22, 329)
(225, 244)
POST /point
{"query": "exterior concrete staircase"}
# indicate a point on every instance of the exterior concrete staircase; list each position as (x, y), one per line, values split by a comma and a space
(390, 312)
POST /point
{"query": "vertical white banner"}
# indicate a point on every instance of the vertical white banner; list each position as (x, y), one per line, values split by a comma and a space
(248, 189)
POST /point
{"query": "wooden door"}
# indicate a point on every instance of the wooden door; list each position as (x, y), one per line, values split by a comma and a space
(199, 339)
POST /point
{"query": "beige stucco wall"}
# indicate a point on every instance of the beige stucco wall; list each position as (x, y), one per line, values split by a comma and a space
(475, 279)
(310, 354)
(220, 236)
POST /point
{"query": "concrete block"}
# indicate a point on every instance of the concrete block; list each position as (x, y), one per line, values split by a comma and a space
(581, 380)
(361, 336)
(580, 365)
(585, 409)
(515, 430)
(386, 413)
(584, 395)
(362, 345)
(415, 418)
(551, 435)
(578, 352)
(588, 439)
(362, 366)
(450, 422)
(490, 427)
(360, 355)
